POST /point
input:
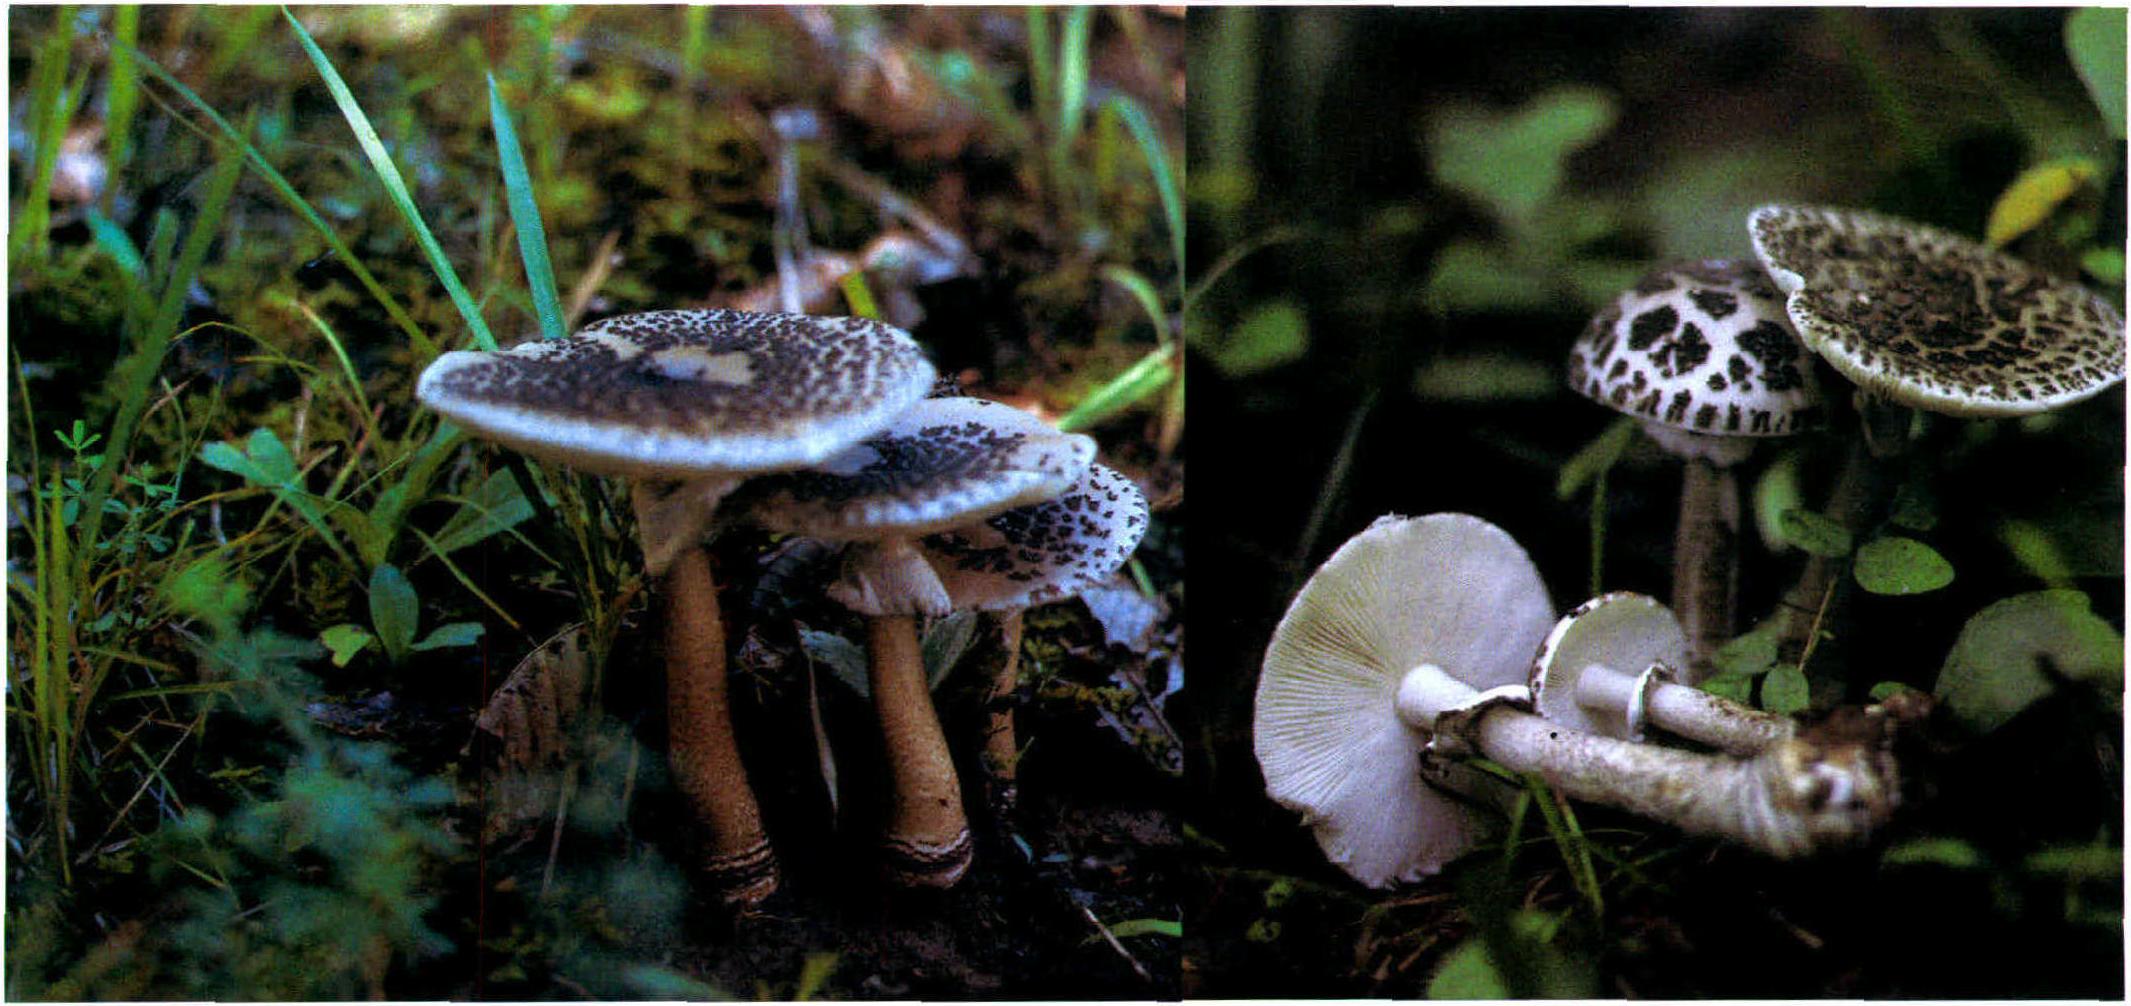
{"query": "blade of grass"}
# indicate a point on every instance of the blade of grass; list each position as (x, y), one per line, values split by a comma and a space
(424, 348)
(122, 95)
(137, 371)
(525, 217)
(48, 112)
(1073, 74)
(1150, 374)
(389, 176)
(858, 296)
(1167, 185)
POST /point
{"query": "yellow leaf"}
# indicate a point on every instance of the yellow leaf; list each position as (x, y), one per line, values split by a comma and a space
(2033, 196)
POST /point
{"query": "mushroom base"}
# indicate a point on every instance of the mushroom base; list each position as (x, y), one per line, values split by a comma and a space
(928, 834)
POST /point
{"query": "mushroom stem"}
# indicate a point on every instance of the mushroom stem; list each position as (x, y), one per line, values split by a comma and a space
(1792, 799)
(1705, 577)
(706, 761)
(1002, 751)
(1859, 491)
(927, 840)
(1649, 699)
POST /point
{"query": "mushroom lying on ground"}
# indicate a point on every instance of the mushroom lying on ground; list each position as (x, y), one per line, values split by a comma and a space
(1029, 556)
(1921, 318)
(1703, 354)
(1610, 668)
(704, 398)
(944, 463)
(1414, 639)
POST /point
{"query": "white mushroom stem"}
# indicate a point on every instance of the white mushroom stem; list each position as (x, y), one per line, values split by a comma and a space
(1793, 799)
(1681, 710)
(706, 760)
(927, 839)
(1705, 572)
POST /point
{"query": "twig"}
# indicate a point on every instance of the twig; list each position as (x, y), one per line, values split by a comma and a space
(1111, 938)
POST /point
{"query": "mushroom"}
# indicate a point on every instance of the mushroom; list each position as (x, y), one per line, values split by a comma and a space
(706, 399)
(946, 462)
(1704, 356)
(1611, 666)
(1412, 641)
(1921, 318)
(1029, 556)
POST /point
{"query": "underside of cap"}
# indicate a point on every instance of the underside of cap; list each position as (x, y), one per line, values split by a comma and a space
(678, 394)
(1046, 552)
(1930, 319)
(1623, 631)
(942, 463)
(1704, 347)
(1445, 589)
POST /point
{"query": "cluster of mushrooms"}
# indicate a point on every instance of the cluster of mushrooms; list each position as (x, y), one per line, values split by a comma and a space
(832, 428)
(1425, 641)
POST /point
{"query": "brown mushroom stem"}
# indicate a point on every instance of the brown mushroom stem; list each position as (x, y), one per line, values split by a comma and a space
(927, 841)
(1002, 751)
(1794, 799)
(1705, 575)
(706, 761)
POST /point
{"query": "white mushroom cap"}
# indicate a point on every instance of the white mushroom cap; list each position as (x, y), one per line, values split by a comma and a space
(1702, 347)
(1933, 320)
(942, 463)
(1037, 554)
(1448, 590)
(1622, 632)
(686, 394)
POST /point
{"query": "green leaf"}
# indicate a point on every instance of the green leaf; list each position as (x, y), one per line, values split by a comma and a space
(946, 640)
(1992, 673)
(1915, 507)
(1471, 276)
(1267, 336)
(1736, 687)
(1747, 655)
(1785, 692)
(2092, 861)
(1776, 492)
(1516, 161)
(1485, 377)
(525, 218)
(1950, 852)
(207, 589)
(2094, 38)
(1888, 689)
(394, 610)
(1895, 565)
(1469, 970)
(1596, 458)
(495, 507)
(388, 174)
(454, 634)
(2032, 548)
(2104, 264)
(1143, 927)
(1145, 378)
(345, 641)
(846, 660)
(1816, 534)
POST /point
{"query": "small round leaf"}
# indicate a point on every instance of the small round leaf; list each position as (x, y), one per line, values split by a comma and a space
(1816, 534)
(1895, 565)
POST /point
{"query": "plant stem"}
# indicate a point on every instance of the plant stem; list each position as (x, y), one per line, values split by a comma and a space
(1002, 750)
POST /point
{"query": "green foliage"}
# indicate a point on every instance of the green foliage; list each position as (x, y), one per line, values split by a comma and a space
(2094, 37)
(1817, 535)
(525, 217)
(1897, 565)
(1483, 378)
(1514, 162)
(941, 646)
(1267, 335)
(1997, 665)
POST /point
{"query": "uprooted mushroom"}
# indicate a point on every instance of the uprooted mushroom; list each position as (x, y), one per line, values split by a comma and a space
(691, 403)
(1414, 641)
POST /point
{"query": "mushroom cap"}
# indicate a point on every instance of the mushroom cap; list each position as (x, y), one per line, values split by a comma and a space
(1445, 589)
(1046, 552)
(1933, 320)
(1703, 347)
(1624, 631)
(944, 462)
(686, 394)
